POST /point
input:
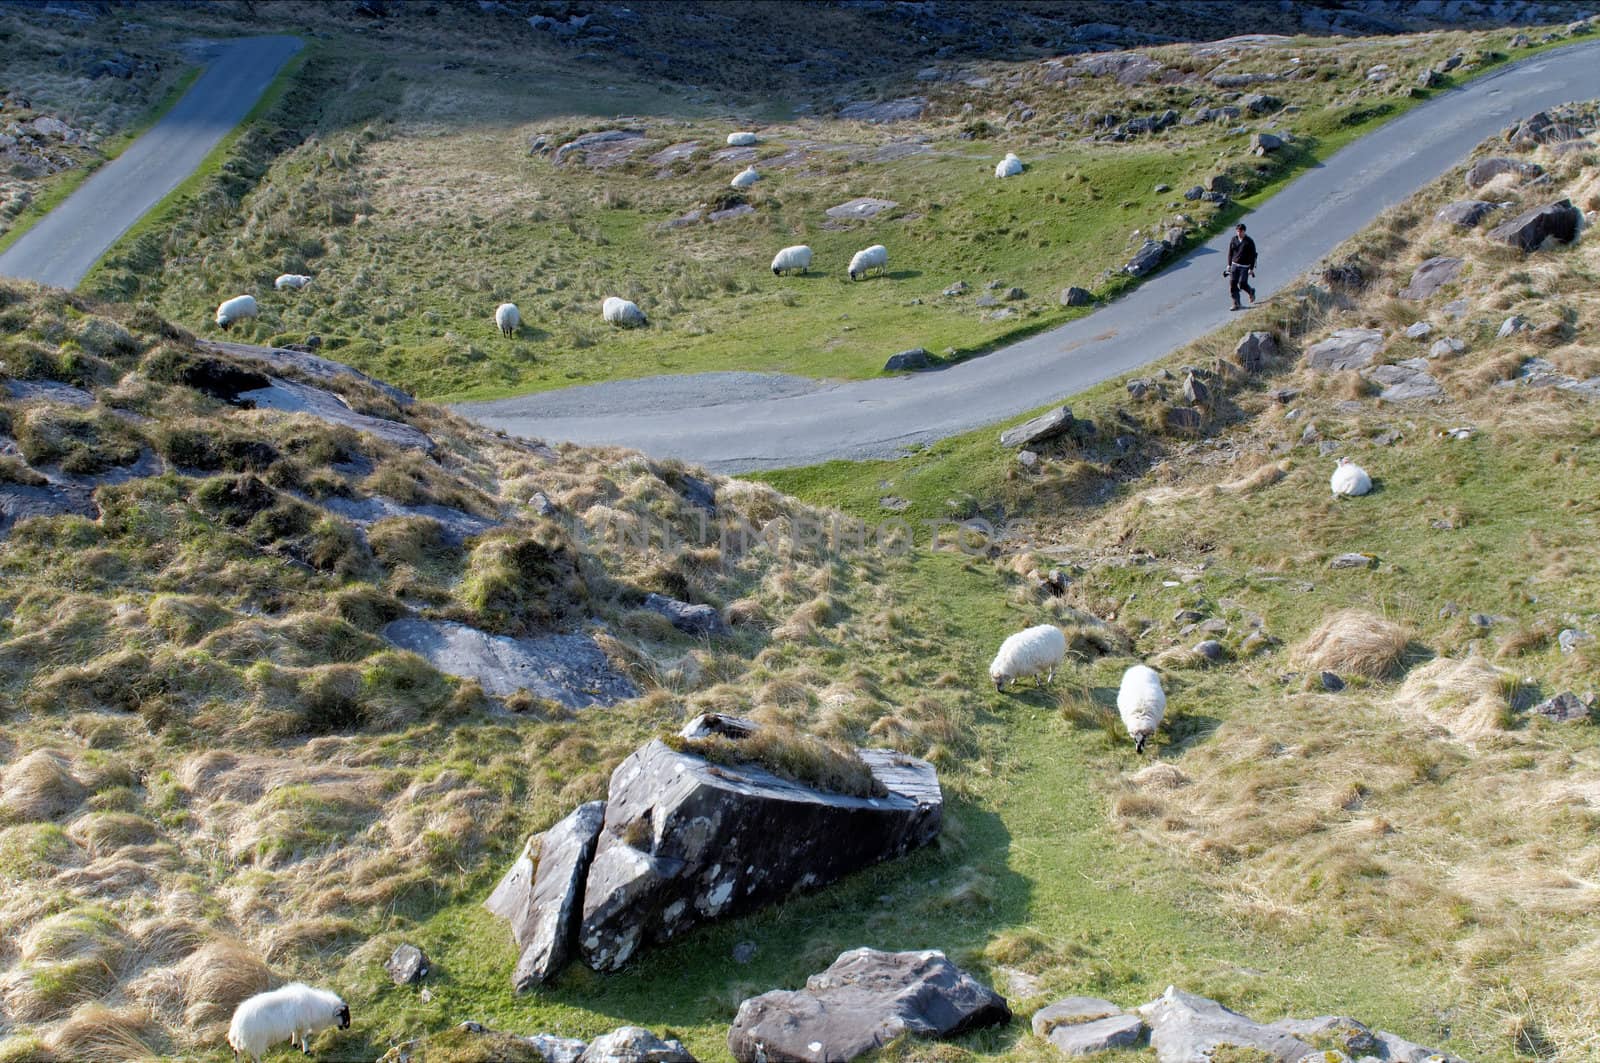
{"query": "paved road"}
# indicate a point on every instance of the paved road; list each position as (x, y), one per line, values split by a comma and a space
(732, 422)
(62, 247)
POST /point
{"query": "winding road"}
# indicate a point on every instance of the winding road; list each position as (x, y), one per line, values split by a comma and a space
(67, 242)
(734, 422)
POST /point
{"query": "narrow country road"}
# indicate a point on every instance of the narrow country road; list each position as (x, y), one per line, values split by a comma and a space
(732, 422)
(65, 243)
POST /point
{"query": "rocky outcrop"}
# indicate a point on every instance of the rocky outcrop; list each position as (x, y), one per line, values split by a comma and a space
(698, 620)
(21, 501)
(1432, 275)
(905, 109)
(1406, 381)
(292, 397)
(1347, 348)
(1485, 170)
(860, 208)
(569, 669)
(1530, 229)
(602, 149)
(1185, 1027)
(862, 1002)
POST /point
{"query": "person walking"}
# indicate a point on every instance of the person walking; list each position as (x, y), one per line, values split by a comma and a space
(1241, 266)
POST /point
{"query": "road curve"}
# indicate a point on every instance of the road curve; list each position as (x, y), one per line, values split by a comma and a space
(67, 242)
(732, 422)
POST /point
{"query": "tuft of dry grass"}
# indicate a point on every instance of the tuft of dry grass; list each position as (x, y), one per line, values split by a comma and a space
(1465, 697)
(95, 1033)
(217, 978)
(1354, 642)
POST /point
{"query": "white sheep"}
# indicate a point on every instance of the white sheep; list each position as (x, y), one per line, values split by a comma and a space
(1349, 479)
(293, 1012)
(237, 309)
(876, 256)
(1034, 651)
(1009, 166)
(1141, 703)
(622, 312)
(291, 282)
(741, 140)
(745, 177)
(506, 318)
(797, 257)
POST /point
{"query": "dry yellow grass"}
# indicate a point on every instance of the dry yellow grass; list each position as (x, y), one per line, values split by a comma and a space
(1354, 642)
(1465, 697)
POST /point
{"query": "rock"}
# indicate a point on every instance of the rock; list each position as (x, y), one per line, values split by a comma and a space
(1540, 129)
(1160, 189)
(894, 504)
(860, 208)
(1173, 237)
(988, 299)
(1485, 170)
(686, 840)
(738, 210)
(1511, 326)
(1212, 650)
(1347, 348)
(1047, 425)
(1144, 260)
(908, 361)
(21, 501)
(543, 901)
(1075, 296)
(603, 149)
(1530, 229)
(1194, 193)
(1195, 392)
(1451, 63)
(1430, 79)
(1353, 561)
(555, 1049)
(1448, 345)
(1431, 276)
(1221, 183)
(569, 669)
(634, 1044)
(455, 526)
(1027, 459)
(48, 391)
(1350, 1035)
(1467, 213)
(1118, 1031)
(291, 397)
(1258, 103)
(1072, 1010)
(1563, 708)
(1571, 638)
(1407, 381)
(1013, 294)
(1185, 1028)
(698, 492)
(958, 288)
(744, 952)
(1254, 349)
(1331, 682)
(673, 153)
(1183, 419)
(1265, 143)
(905, 109)
(1005, 313)
(865, 1000)
(407, 964)
(1139, 389)
(1418, 330)
(697, 620)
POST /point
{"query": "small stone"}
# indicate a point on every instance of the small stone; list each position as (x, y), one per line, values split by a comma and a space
(1418, 330)
(744, 952)
(1194, 193)
(1571, 638)
(1565, 707)
(958, 288)
(1027, 459)
(1254, 349)
(1353, 560)
(1188, 616)
(1447, 346)
(1483, 620)
(1331, 682)
(1014, 294)
(1449, 610)
(540, 503)
(908, 361)
(407, 964)
(1511, 326)
(1162, 188)
(1075, 296)
(1138, 389)
(1212, 650)
(1195, 391)
(894, 504)
(988, 300)
(1310, 435)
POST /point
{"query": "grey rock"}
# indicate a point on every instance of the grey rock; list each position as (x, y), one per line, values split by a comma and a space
(1186, 1028)
(1183, 419)
(634, 1044)
(455, 526)
(744, 952)
(1159, 189)
(1571, 638)
(1451, 63)
(698, 492)
(905, 109)
(602, 149)
(673, 153)
(1139, 389)
(958, 288)
(1195, 392)
(1485, 170)
(1099, 1035)
(1430, 79)
(1407, 381)
(1530, 229)
(1071, 1010)
(686, 840)
(406, 964)
(698, 620)
(1254, 349)
(309, 365)
(894, 504)
(1075, 296)
(1467, 213)
(988, 299)
(1350, 1035)
(553, 1049)
(1005, 313)
(862, 1002)
(1047, 425)
(569, 669)
(1563, 708)
(1347, 348)
(738, 210)
(1027, 459)
(1212, 650)
(1432, 275)
(19, 502)
(908, 361)
(1258, 103)
(1173, 237)
(1221, 183)
(1194, 193)
(1013, 294)
(1145, 260)
(1447, 346)
(1483, 620)
(291, 397)
(1458, 308)
(1265, 143)
(860, 208)
(1511, 326)
(1331, 682)
(1353, 561)
(1395, 1049)
(543, 907)
(1418, 330)
(48, 391)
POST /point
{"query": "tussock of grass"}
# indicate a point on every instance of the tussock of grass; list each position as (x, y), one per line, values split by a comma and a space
(1465, 697)
(790, 754)
(1356, 643)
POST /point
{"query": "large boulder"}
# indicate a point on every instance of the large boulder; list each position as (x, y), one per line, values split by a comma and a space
(1432, 275)
(1347, 348)
(1467, 213)
(1047, 425)
(1146, 259)
(1099, 1035)
(862, 1002)
(1485, 170)
(543, 899)
(687, 840)
(1539, 129)
(909, 361)
(602, 149)
(1529, 230)
(1254, 350)
(1187, 1028)
(1075, 296)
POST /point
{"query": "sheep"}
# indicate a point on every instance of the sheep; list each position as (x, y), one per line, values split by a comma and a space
(745, 177)
(741, 140)
(1141, 703)
(506, 318)
(291, 282)
(1009, 166)
(295, 1011)
(797, 257)
(876, 255)
(622, 312)
(1349, 479)
(1033, 651)
(237, 309)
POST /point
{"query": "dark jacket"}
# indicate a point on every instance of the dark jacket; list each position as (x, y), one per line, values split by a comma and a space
(1242, 252)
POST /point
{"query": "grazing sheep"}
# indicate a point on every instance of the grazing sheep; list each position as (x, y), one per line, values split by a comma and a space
(745, 177)
(293, 1012)
(1349, 479)
(875, 256)
(741, 140)
(507, 317)
(1034, 651)
(622, 312)
(1009, 166)
(291, 282)
(797, 257)
(1142, 703)
(237, 309)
